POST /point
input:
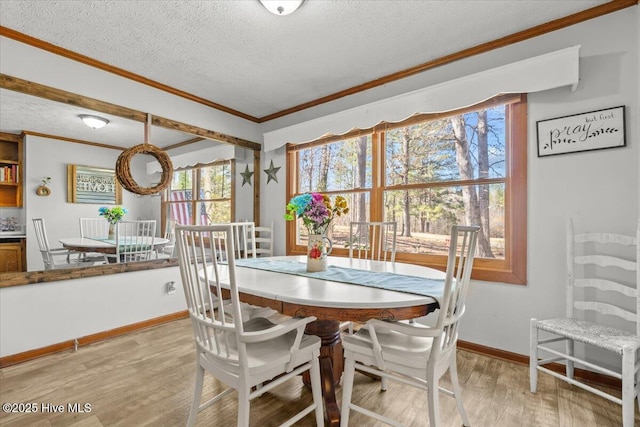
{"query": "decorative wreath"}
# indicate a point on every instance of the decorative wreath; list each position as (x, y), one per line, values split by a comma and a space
(123, 165)
(123, 169)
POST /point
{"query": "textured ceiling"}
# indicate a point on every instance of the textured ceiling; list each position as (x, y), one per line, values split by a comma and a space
(237, 54)
(18, 110)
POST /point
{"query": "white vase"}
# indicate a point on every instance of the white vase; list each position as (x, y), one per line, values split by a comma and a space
(318, 248)
(112, 231)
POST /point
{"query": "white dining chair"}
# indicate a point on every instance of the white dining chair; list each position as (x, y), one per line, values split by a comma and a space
(602, 311)
(254, 354)
(262, 240)
(166, 250)
(371, 240)
(53, 258)
(414, 354)
(242, 234)
(91, 228)
(244, 245)
(94, 227)
(134, 241)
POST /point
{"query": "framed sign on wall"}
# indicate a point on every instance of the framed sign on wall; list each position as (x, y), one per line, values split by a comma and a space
(594, 130)
(86, 184)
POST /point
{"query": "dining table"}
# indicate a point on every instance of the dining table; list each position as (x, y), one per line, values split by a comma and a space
(350, 290)
(105, 246)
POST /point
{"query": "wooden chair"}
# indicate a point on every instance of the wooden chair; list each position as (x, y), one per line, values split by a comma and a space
(414, 354)
(94, 227)
(372, 240)
(134, 241)
(263, 240)
(602, 288)
(240, 354)
(52, 258)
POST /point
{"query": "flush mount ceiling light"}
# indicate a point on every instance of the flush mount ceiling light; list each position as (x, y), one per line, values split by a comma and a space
(281, 7)
(93, 121)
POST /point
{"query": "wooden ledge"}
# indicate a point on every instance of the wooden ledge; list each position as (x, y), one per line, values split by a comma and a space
(20, 279)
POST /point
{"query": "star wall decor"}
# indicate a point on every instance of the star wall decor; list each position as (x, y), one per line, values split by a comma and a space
(271, 173)
(246, 176)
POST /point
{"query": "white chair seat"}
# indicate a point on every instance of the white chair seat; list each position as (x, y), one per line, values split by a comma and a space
(268, 358)
(398, 348)
(611, 339)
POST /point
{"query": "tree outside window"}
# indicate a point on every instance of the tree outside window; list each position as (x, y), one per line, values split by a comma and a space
(427, 174)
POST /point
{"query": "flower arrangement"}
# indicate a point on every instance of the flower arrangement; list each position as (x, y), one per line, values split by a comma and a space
(315, 210)
(46, 181)
(113, 215)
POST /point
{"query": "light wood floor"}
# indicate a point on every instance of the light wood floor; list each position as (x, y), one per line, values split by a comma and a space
(146, 379)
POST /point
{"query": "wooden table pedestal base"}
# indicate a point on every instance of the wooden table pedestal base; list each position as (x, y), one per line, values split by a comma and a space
(331, 365)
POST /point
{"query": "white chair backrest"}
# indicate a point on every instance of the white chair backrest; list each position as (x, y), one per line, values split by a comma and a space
(135, 240)
(263, 240)
(215, 333)
(244, 243)
(170, 234)
(601, 264)
(462, 249)
(372, 240)
(43, 242)
(94, 227)
(170, 231)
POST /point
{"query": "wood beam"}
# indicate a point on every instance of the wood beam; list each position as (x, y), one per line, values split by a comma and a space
(204, 133)
(183, 143)
(58, 95)
(17, 84)
(256, 188)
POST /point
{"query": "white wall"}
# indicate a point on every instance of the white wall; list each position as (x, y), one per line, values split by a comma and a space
(38, 315)
(599, 188)
(50, 157)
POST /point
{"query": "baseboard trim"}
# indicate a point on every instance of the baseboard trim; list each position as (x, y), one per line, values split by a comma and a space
(89, 339)
(582, 374)
(508, 356)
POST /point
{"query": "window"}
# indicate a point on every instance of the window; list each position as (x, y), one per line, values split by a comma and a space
(201, 195)
(427, 173)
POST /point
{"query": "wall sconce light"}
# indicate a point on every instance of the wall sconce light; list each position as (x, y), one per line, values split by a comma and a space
(281, 7)
(93, 121)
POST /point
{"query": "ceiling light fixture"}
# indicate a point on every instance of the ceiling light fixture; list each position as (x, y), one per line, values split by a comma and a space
(93, 121)
(281, 7)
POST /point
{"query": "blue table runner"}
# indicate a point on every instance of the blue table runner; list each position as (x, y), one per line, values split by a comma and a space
(390, 281)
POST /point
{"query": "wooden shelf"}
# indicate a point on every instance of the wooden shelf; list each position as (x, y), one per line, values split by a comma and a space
(11, 154)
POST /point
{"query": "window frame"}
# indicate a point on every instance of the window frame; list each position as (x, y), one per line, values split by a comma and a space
(511, 269)
(195, 189)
